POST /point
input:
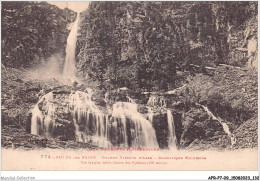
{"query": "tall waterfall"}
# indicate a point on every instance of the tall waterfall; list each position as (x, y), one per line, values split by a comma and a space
(171, 130)
(124, 127)
(69, 69)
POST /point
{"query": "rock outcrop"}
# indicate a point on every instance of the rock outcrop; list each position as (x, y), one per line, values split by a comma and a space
(183, 36)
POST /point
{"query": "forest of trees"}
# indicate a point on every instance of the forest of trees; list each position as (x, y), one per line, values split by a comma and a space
(149, 45)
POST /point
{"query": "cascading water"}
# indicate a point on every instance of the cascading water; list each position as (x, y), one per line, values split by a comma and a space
(91, 125)
(42, 121)
(171, 130)
(156, 101)
(69, 69)
(126, 127)
(150, 114)
(135, 130)
(224, 125)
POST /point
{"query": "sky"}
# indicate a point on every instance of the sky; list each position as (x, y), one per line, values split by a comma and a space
(77, 6)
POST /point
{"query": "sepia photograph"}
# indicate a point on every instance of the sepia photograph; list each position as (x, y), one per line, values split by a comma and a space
(129, 85)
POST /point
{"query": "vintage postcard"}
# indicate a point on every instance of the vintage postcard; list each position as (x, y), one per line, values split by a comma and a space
(138, 85)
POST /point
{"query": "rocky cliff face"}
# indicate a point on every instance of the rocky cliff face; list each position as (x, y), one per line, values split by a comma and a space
(32, 32)
(149, 47)
(217, 39)
(170, 36)
(223, 33)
